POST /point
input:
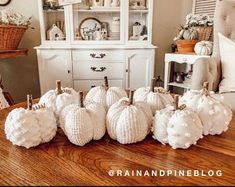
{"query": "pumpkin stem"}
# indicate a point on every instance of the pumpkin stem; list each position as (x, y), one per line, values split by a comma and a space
(106, 82)
(29, 102)
(131, 97)
(153, 81)
(206, 88)
(81, 96)
(176, 102)
(58, 87)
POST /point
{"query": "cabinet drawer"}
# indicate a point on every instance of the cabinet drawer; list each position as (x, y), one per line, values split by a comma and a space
(85, 85)
(98, 55)
(97, 70)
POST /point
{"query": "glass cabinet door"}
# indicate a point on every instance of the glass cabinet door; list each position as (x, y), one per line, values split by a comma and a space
(97, 21)
(54, 21)
(139, 20)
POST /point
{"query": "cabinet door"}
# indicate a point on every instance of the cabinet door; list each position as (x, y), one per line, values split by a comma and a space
(54, 65)
(140, 68)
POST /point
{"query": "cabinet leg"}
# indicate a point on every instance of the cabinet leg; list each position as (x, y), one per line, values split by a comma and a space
(167, 75)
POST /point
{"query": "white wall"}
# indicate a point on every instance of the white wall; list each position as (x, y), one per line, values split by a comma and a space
(21, 74)
(168, 15)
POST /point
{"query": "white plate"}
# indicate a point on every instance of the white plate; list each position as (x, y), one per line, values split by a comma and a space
(138, 8)
(105, 8)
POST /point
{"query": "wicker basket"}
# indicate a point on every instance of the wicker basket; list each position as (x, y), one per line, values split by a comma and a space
(186, 46)
(204, 33)
(10, 36)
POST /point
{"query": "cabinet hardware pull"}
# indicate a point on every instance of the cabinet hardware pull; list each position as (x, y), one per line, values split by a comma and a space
(101, 69)
(93, 55)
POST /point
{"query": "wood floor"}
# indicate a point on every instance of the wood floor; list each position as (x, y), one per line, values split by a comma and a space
(61, 163)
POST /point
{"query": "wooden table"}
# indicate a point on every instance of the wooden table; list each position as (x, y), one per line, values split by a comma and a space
(4, 54)
(61, 163)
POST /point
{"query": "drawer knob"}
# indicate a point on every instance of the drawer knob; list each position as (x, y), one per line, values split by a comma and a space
(100, 56)
(101, 69)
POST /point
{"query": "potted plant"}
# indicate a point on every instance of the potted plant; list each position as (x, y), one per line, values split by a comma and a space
(196, 28)
(186, 40)
(12, 28)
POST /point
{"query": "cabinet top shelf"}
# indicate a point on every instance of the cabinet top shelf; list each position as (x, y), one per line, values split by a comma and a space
(53, 11)
(97, 11)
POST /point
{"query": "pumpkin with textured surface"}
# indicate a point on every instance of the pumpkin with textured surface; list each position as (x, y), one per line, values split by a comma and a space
(179, 127)
(156, 98)
(129, 122)
(203, 48)
(59, 98)
(84, 123)
(214, 114)
(190, 34)
(29, 128)
(105, 95)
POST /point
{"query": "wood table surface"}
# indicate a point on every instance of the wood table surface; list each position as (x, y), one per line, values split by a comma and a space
(61, 163)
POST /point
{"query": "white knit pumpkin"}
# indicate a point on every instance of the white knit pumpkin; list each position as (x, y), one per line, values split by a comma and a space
(156, 98)
(203, 48)
(29, 128)
(105, 95)
(214, 114)
(59, 98)
(179, 127)
(84, 123)
(127, 122)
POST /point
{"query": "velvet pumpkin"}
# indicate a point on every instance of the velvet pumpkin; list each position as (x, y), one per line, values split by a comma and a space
(105, 95)
(178, 126)
(156, 98)
(214, 114)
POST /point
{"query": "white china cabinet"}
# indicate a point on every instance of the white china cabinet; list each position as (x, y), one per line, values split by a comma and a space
(83, 42)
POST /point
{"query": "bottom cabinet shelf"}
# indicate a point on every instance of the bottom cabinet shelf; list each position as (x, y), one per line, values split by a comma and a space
(180, 85)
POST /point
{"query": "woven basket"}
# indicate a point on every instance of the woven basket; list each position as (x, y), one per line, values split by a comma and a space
(204, 33)
(10, 36)
(186, 46)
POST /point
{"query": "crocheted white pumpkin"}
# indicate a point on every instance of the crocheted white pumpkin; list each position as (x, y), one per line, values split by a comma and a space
(59, 98)
(85, 123)
(177, 126)
(203, 48)
(129, 122)
(30, 127)
(105, 95)
(214, 114)
(156, 98)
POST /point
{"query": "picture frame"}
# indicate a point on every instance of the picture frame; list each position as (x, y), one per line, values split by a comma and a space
(4, 2)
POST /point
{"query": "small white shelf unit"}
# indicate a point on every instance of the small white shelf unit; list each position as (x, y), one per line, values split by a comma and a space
(189, 59)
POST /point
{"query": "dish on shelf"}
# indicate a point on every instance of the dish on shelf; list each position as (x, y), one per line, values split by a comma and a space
(88, 26)
(138, 8)
(82, 7)
(105, 8)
